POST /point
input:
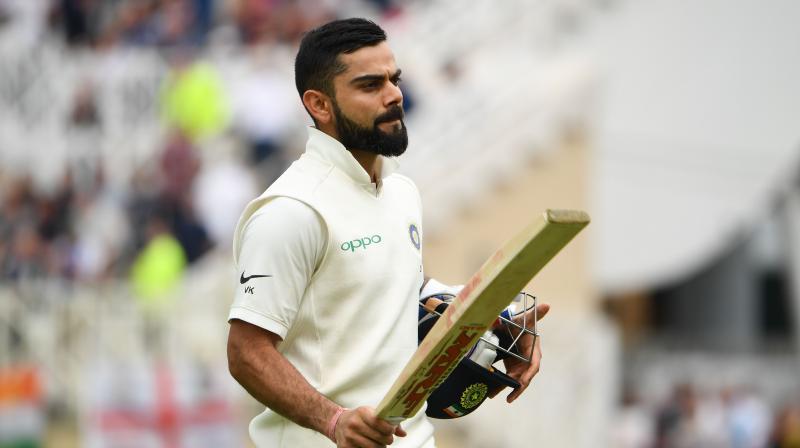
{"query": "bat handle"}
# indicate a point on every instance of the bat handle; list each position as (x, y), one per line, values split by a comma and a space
(394, 420)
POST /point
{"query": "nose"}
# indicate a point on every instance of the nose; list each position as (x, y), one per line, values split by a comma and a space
(393, 95)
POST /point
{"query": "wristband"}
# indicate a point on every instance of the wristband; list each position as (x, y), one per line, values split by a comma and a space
(332, 424)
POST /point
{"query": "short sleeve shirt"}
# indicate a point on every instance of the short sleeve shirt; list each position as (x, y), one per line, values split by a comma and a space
(284, 241)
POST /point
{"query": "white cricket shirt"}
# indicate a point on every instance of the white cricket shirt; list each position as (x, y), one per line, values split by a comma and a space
(332, 263)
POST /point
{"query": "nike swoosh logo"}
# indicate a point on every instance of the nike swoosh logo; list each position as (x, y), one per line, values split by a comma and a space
(244, 279)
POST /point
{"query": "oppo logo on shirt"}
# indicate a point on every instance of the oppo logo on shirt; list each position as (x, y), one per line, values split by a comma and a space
(362, 243)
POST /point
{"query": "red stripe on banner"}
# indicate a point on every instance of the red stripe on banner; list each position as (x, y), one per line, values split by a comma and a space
(122, 419)
(167, 419)
(167, 415)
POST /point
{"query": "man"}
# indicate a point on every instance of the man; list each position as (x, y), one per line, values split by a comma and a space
(329, 257)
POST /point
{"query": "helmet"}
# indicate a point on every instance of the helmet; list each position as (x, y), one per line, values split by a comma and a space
(474, 378)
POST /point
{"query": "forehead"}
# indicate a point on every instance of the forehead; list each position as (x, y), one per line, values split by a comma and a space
(376, 59)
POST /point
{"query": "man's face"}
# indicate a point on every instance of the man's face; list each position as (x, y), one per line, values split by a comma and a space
(368, 103)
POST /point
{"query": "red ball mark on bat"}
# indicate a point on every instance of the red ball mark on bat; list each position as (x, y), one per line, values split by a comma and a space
(441, 367)
(465, 292)
(469, 287)
(498, 256)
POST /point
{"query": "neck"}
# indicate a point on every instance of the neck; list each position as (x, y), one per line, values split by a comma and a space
(369, 161)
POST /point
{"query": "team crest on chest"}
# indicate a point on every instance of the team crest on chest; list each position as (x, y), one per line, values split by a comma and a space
(413, 233)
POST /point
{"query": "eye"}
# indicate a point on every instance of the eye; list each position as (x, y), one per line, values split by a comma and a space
(397, 80)
(372, 85)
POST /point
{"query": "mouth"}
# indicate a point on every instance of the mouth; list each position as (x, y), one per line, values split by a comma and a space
(390, 126)
(394, 116)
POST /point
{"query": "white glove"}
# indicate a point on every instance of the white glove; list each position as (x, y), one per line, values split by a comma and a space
(484, 354)
(435, 288)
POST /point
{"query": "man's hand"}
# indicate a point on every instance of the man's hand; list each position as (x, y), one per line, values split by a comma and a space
(520, 370)
(361, 428)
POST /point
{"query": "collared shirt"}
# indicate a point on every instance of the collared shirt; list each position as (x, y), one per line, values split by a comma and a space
(286, 222)
(329, 149)
(331, 262)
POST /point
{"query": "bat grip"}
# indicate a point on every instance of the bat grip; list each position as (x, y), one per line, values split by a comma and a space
(394, 420)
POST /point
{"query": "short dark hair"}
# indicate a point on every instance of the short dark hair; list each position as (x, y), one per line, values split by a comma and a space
(317, 61)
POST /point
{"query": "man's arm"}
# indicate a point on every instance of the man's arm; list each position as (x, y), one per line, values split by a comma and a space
(268, 376)
(254, 361)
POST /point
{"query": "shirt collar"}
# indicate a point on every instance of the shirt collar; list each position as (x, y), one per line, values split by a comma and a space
(332, 151)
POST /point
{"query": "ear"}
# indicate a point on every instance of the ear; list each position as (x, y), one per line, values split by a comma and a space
(319, 105)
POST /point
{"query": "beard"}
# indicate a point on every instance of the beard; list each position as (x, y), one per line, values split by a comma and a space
(374, 140)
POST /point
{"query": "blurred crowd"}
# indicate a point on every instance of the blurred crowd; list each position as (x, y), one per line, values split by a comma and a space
(733, 417)
(178, 205)
(84, 230)
(103, 24)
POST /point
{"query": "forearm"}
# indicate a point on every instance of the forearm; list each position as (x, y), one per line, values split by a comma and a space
(272, 380)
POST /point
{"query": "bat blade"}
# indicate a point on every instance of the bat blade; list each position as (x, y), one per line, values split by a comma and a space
(484, 296)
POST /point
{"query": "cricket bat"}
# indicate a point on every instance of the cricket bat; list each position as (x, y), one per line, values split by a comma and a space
(476, 307)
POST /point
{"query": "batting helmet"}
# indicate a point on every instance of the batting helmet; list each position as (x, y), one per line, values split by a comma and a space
(474, 378)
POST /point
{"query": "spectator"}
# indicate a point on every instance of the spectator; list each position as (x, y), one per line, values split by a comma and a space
(178, 167)
(187, 229)
(158, 268)
(634, 425)
(220, 193)
(786, 430)
(749, 418)
(102, 232)
(253, 20)
(78, 20)
(264, 109)
(193, 99)
(28, 258)
(689, 421)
